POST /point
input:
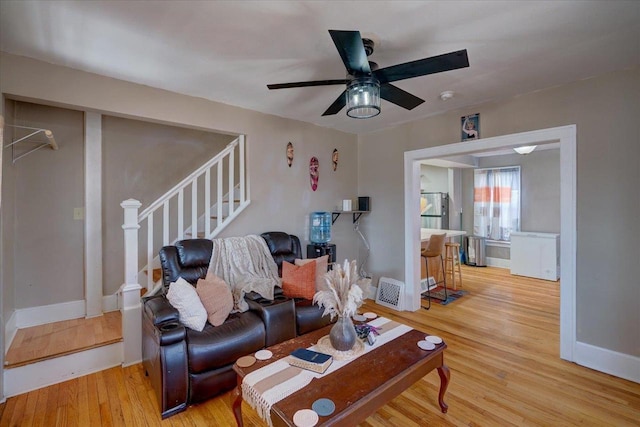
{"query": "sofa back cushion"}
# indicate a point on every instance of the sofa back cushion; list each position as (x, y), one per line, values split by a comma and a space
(283, 247)
(188, 259)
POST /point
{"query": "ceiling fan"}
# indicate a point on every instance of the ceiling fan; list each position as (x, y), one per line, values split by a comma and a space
(366, 83)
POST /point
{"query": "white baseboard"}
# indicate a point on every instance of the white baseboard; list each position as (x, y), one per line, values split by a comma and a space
(42, 374)
(498, 262)
(608, 361)
(34, 316)
(10, 329)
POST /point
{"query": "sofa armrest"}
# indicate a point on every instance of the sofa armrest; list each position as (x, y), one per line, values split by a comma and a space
(164, 354)
(278, 316)
(158, 310)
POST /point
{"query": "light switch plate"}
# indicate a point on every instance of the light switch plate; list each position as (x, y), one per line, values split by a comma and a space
(78, 213)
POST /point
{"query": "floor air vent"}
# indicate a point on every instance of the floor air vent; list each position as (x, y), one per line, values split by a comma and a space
(390, 293)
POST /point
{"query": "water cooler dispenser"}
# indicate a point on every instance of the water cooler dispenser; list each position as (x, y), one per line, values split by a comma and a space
(320, 235)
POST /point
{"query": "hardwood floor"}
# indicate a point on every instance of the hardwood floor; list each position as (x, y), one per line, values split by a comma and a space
(503, 341)
(69, 336)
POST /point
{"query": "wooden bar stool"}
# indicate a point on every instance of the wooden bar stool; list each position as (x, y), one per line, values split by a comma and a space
(452, 257)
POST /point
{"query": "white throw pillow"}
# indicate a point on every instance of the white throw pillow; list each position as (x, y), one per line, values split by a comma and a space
(184, 298)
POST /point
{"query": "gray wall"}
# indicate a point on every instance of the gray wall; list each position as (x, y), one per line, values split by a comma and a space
(49, 243)
(604, 109)
(281, 196)
(540, 189)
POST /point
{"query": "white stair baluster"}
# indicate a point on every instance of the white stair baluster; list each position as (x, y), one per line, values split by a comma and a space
(230, 196)
(194, 208)
(219, 196)
(165, 223)
(150, 252)
(181, 214)
(243, 193)
(207, 203)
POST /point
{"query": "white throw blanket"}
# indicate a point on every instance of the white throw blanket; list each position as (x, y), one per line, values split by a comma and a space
(246, 264)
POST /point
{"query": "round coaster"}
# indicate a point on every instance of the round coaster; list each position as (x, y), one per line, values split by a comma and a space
(359, 318)
(434, 339)
(246, 361)
(305, 418)
(263, 355)
(323, 407)
(370, 315)
(426, 345)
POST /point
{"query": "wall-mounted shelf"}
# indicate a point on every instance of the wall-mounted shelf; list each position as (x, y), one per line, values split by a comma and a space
(356, 215)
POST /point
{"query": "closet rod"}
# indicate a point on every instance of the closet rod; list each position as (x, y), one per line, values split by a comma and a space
(51, 140)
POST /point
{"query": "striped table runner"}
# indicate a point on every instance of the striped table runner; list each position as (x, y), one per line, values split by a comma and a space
(264, 387)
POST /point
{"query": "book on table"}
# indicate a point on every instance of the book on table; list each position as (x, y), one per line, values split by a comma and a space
(311, 360)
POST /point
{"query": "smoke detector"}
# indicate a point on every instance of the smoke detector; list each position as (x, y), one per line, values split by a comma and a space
(446, 95)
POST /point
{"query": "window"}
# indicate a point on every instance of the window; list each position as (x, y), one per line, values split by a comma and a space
(496, 202)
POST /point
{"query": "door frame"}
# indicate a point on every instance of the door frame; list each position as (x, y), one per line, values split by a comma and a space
(566, 137)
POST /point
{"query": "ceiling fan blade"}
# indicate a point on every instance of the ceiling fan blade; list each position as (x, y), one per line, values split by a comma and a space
(399, 97)
(422, 67)
(351, 50)
(307, 84)
(337, 105)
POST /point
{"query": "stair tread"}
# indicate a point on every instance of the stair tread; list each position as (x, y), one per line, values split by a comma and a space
(43, 342)
(157, 274)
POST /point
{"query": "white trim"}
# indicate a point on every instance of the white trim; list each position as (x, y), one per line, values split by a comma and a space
(608, 361)
(10, 330)
(566, 136)
(34, 316)
(52, 371)
(93, 213)
(498, 262)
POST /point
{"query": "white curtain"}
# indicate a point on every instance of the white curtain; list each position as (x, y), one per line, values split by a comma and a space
(496, 202)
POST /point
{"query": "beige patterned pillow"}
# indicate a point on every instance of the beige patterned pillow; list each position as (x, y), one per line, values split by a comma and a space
(216, 298)
(184, 298)
(322, 264)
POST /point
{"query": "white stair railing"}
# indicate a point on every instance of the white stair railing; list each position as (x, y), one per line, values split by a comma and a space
(163, 221)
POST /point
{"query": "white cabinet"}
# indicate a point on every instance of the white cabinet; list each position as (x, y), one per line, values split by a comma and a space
(535, 255)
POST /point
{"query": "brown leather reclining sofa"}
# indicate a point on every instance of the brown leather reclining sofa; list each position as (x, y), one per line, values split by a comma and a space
(186, 366)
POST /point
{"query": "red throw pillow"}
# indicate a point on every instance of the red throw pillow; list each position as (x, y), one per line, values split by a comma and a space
(299, 282)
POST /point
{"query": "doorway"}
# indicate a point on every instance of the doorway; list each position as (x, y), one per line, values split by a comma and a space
(566, 137)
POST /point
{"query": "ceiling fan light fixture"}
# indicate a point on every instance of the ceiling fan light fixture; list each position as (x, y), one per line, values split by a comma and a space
(363, 98)
(525, 149)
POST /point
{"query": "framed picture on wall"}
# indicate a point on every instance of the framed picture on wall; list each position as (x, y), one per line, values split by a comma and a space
(470, 127)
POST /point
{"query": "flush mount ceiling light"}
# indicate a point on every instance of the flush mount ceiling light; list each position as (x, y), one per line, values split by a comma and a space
(525, 149)
(363, 98)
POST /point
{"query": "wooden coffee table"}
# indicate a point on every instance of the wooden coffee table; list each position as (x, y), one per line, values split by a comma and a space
(358, 389)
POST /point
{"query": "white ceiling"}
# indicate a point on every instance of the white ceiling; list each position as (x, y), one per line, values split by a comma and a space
(229, 51)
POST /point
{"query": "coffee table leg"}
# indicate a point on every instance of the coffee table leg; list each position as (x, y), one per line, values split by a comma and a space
(444, 373)
(236, 404)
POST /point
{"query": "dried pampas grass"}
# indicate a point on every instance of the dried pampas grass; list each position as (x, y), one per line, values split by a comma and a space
(345, 290)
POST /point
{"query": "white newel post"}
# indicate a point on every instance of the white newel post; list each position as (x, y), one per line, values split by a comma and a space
(130, 306)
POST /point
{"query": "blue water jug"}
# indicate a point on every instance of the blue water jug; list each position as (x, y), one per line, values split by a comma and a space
(320, 227)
